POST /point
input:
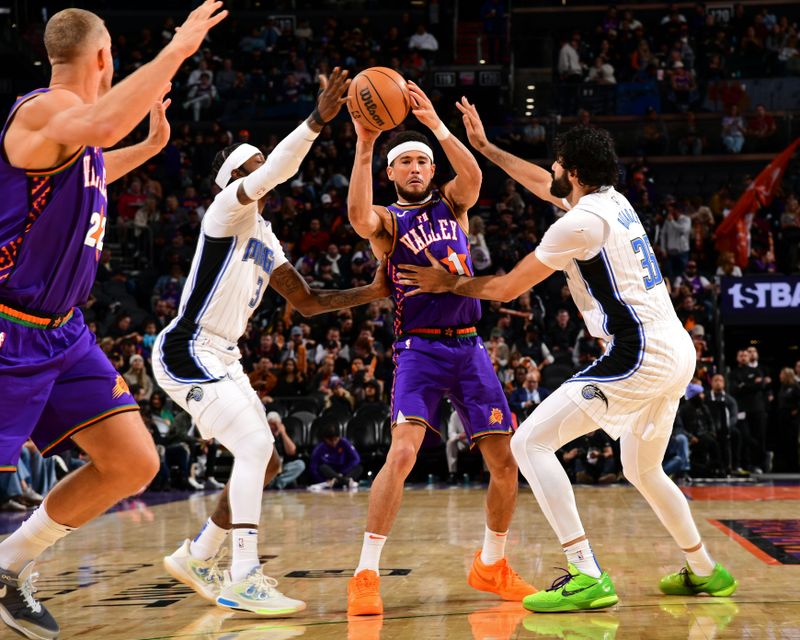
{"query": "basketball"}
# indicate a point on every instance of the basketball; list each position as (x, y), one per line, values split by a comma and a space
(378, 98)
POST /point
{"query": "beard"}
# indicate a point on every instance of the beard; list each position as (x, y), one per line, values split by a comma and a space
(561, 187)
(410, 196)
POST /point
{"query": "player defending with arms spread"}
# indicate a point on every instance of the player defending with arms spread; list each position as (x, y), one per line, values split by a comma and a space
(632, 391)
(55, 383)
(197, 361)
(437, 353)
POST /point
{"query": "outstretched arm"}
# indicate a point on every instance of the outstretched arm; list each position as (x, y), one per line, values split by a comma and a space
(465, 188)
(436, 279)
(310, 302)
(531, 176)
(59, 122)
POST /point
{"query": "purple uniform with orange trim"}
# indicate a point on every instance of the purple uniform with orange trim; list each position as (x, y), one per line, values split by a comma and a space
(438, 353)
(54, 379)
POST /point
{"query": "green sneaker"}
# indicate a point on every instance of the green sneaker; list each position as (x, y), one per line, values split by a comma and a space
(685, 583)
(572, 592)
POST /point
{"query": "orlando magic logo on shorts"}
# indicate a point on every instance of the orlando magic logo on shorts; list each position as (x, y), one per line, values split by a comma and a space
(195, 393)
(590, 391)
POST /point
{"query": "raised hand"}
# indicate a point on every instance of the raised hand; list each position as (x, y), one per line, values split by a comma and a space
(333, 92)
(190, 35)
(422, 107)
(472, 123)
(158, 136)
(365, 133)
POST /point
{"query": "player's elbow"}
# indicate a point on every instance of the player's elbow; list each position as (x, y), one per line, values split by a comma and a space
(308, 307)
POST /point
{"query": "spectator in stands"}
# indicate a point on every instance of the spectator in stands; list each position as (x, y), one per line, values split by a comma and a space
(534, 136)
(691, 141)
(748, 384)
(760, 129)
(654, 140)
(493, 15)
(291, 382)
(531, 346)
(727, 266)
(601, 72)
(262, 379)
(315, 237)
(479, 250)
(725, 412)
(561, 336)
(699, 424)
(525, 399)
(424, 42)
(677, 458)
(201, 96)
(788, 405)
(334, 461)
(675, 236)
(599, 464)
(698, 284)
(137, 375)
(290, 470)
(339, 397)
(683, 88)
(733, 131)
(569, 62)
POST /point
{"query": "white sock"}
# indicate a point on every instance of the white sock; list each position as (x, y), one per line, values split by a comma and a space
(208, 542)
(700, 562)
(580, 554)
(35, 535)
(245, 553)
(494, 546)
(371, 552)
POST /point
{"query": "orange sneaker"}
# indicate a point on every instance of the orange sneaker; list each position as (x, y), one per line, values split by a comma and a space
(364, 594)
(498, 578)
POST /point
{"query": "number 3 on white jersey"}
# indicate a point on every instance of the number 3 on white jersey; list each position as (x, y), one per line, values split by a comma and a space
(97, 231)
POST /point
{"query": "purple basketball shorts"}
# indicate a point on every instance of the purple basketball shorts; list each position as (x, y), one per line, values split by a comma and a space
(53, 383)
(457, 369)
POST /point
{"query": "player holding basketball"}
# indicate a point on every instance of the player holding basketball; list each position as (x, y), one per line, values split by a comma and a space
(437, 353)
(632, 392)
(55, 383)
(197, 360)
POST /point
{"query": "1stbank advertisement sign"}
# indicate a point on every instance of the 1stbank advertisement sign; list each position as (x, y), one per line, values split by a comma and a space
(761, 300)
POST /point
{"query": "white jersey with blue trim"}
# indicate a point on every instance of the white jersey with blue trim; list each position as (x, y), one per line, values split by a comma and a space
(610, 265)
(236, 254)
(616, 284)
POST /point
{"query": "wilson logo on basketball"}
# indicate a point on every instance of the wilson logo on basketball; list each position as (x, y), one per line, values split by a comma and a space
(496, 416)
(370, 106)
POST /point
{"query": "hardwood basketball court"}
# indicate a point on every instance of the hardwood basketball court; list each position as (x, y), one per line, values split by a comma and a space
(106, 581)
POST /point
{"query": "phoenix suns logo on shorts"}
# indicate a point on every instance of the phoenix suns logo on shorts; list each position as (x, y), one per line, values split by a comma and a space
(496, 417)
(590, 391)
(120, 388)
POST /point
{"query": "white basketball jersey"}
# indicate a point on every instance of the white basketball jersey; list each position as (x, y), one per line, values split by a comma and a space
(229, 272)
(621, 288)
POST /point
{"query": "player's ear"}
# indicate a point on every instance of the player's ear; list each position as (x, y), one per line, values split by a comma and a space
(390, 172)
(433, 169)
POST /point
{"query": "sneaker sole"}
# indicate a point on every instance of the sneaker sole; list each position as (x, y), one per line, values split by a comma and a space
(236, 606)
(599, 603)
(727, 591)
(180, 574)
(28, 633)
(489, 589)
(366, 611)
(720, 593)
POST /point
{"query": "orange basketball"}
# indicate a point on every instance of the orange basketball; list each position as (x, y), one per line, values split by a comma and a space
(378, 98)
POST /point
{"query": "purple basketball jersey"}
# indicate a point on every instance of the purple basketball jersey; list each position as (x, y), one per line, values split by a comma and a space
(433, 226)
(52, 225)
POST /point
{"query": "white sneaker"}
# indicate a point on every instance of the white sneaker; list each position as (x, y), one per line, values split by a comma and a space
(194, 484)
(258, 594)
(352, 484)
(213, 483)
(204, 576)
(320, 486)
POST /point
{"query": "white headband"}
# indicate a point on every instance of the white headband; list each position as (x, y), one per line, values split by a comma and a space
(405, 147)
(240, 155)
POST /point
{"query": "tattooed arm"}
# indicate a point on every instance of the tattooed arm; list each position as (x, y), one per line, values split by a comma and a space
(310, 302)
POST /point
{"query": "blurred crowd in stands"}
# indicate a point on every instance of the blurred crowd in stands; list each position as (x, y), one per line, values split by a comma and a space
(330, 377)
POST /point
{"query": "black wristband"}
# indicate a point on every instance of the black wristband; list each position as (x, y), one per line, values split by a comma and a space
(317, 117)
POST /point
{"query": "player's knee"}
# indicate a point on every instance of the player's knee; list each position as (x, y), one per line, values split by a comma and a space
(402, 456)
(135, 467)
(256, 446)
(519, 443)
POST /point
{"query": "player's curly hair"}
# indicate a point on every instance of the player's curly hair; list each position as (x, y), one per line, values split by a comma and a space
(406, 136)
(589, 152)
(220, 158)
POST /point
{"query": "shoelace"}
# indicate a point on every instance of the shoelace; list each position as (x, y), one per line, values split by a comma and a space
(508, 576)
(684, 574)
(27, 589)
(562, 580)
(262, 585)
(363, 582)
(215, 574)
